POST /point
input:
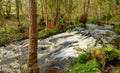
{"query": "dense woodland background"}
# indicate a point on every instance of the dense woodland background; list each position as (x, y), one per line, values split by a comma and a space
(14, 15)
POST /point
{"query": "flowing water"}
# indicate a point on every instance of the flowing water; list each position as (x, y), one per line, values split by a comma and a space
(55, 52)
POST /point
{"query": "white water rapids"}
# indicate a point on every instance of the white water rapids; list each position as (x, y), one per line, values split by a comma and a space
(56, 48)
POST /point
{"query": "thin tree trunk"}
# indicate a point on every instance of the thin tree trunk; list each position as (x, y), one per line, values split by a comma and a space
(1, 16)
(46, 3)
(57, 9)
(32, 60)
(18, 16)
(8, 9)
(84, 7)
(83, 18)
(87, 6)
(98, 14)
(42, 6)
(69, 9)
(57, 13)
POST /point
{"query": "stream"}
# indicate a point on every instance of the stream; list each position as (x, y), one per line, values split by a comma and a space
(56, 52)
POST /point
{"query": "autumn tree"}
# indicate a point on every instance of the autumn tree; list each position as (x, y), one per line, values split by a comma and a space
(32, 60)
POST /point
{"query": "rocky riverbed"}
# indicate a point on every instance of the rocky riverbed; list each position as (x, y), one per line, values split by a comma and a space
(56, 52)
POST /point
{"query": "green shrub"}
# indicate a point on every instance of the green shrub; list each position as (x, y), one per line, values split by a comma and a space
(111, 53)
(80, 25)
(83, 58)
(117, 28)
(47, 32)
(69, 26)
(106, 17)
(77, 68)
(92, 66)
(91, 20)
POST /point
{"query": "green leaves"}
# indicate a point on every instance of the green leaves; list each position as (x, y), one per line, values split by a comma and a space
(108, 48)
(91, 66)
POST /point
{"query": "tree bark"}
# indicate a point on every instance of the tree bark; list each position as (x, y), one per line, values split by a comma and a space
(32, 60)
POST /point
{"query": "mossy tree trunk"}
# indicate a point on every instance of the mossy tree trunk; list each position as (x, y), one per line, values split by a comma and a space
(32, 60)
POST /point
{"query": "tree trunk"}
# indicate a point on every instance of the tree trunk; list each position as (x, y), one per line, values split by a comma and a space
(32, 60)
(8, 9)
(57, 9)
(46, 8)
(57, 13)
(83, 18)
(69, 10)
(17, 16)
(42, 6)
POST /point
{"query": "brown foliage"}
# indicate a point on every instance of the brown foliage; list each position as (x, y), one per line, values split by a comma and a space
(51, 24)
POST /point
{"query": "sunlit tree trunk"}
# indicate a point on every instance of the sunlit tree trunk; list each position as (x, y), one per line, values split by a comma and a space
(32, 60)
